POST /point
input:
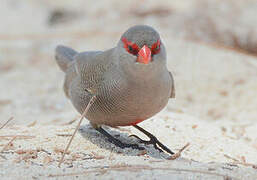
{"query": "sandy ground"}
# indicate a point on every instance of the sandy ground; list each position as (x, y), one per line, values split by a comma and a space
(214, 110)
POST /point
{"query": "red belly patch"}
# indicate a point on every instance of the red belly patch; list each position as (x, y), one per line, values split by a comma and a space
(136, 122)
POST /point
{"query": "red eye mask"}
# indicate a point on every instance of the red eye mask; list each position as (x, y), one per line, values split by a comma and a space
(132, 48)
(144, 55)
(156, 47)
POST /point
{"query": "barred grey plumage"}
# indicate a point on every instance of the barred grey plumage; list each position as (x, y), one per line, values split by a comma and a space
(127, 91)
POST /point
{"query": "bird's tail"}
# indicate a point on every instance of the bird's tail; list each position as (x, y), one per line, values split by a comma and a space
(64, 56)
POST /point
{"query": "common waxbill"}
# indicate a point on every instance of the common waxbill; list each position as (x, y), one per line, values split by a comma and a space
(131, 82)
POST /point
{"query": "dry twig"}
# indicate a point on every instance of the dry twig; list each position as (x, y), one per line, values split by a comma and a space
(8, 144)
(64, 135)
(178, 154)
(243, 162)
(60, 151)
(32, 124)
(92, 100)
(24, 151)
(11, 118)
(18, 136)
(28, 154)
(43, 150)
(70, 122)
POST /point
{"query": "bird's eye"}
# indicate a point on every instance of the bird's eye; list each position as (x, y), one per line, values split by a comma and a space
(131, 48)
(156, 47)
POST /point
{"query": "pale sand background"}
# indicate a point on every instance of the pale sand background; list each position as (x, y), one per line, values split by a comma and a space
(215, 107)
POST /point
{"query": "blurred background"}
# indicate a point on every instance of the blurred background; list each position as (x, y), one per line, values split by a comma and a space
(211, 49)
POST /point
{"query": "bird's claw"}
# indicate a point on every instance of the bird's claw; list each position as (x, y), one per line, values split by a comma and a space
(153, 141)
(117, 142)
(140, 140)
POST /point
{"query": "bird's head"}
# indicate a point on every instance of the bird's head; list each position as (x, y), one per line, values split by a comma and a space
(140, 47)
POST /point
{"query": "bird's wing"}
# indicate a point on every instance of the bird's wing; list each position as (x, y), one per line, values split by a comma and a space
(79, 66)
(85, 61)
(172, 95)
(90, 68)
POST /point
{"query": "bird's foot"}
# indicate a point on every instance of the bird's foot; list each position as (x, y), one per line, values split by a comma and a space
(117, 142)
(153, 140)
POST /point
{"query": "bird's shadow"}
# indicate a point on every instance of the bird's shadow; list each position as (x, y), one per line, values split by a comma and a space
(89, 133)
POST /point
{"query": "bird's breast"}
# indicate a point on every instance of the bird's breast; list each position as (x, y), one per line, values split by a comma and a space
(123, 101)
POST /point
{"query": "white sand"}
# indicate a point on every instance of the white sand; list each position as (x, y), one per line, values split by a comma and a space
(214, 109)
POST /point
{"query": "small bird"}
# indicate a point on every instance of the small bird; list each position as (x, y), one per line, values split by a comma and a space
(131, 82)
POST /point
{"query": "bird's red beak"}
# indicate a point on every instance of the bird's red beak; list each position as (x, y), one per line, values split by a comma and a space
(144, 55)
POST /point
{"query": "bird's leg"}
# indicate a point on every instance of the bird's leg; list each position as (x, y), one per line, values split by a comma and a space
(117, 142)
(153, 140)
